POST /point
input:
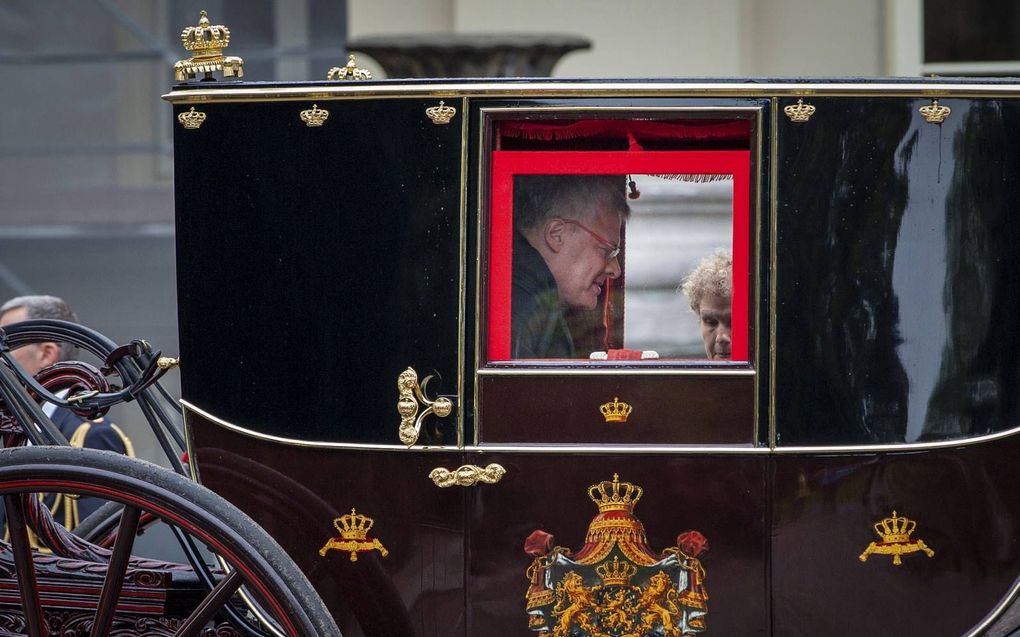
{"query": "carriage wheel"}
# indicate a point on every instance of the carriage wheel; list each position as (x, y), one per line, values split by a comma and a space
(256, 562)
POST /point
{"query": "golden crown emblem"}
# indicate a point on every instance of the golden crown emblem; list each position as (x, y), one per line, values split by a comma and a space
(353, 526)
(615, 495)
(206, 42)
(935, 113)
(616, 411)
(895, 528)
(616, 573)
(314, 116)
(441, 114)
(799, 112)
(191, 119)
(895, 532)
(350, 71)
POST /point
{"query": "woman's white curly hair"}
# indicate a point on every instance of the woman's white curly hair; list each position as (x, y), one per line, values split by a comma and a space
(714, 275)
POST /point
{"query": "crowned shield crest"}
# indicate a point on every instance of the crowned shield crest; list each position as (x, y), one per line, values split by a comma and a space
(616, 585)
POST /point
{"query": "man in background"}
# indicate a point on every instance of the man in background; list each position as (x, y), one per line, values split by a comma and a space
(81, 432)
(567, 233)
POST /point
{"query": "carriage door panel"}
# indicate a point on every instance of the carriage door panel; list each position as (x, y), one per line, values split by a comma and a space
(897, 293)
(318, 263)
(618, 544)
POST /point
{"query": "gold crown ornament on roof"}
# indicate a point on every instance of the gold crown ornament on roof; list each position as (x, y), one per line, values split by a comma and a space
(206, 42)
(895, 532)
(616, 411)
(314, 116)
(799, 112)
(616, 573)
(350, 71)
(935, 113)
(615, 495)
(441, 114)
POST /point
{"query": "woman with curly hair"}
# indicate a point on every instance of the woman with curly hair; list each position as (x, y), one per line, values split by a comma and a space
(710, 290)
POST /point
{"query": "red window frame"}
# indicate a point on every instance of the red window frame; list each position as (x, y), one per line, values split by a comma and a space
(506, 164)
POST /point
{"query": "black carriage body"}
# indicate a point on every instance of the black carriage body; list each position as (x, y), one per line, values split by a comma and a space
(850, 461)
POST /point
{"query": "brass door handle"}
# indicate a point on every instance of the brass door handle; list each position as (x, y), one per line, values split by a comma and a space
(467, 476)
(411, 393)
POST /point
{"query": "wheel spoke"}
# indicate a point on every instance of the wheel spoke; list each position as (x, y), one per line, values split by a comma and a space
(213, 602)
(115, 573)
(24, 566)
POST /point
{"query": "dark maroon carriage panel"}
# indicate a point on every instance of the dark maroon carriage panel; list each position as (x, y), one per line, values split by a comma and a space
(718, 497)
(664, 409)
(296, 493)
(966, 510)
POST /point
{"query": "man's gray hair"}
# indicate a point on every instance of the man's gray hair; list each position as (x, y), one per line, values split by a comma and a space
(41, 306)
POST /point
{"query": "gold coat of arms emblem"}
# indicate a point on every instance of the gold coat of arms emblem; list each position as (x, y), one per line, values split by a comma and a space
(616, 585)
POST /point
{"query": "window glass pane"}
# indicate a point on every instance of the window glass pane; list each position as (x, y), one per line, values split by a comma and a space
(607, 256)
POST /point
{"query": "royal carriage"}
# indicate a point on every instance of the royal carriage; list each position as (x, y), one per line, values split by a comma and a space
(350, 258)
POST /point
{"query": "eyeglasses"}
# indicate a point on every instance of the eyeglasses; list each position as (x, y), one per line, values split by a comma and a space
(612, 249)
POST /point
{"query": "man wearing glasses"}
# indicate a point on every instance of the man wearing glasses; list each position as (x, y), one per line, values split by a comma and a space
(567, 233)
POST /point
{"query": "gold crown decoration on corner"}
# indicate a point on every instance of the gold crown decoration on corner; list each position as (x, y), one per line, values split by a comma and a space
(191, 119)
(314, 116)
(616, 573)
(353, 528)
(206, 42)
(895, 532)
(616, 411)
(615, 495)
(799, 112)
(441, 114)
(348, 72)
(935, 113)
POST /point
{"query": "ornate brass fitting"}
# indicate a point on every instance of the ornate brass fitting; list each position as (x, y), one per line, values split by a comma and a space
(467, 476)
(206, 44)
(166, 362)
(411, 393)
(348, 72)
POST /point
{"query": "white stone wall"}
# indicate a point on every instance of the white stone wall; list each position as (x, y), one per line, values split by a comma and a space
(651, 38)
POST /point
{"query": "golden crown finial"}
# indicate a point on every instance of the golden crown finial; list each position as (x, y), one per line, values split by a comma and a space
(616, 573)
(441, 114)
(799, 112)
(314, 116)
(206, 42)
(935, 113)
(350, 71)
(615, 495)
(616, 411)
(191, 119)
(353, 526)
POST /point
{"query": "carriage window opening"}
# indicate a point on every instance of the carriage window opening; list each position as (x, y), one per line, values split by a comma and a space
(602, 255)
